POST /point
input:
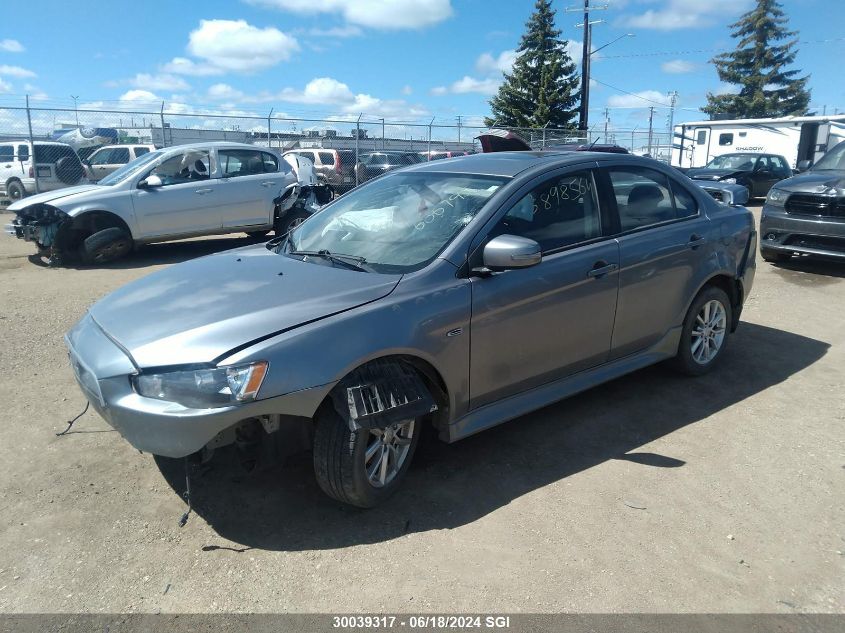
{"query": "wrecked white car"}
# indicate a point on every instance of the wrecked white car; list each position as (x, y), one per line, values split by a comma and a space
(173, 193)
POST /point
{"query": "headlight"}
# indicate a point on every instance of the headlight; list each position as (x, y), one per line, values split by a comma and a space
(777, 197)
(730, 181)
(204, 388)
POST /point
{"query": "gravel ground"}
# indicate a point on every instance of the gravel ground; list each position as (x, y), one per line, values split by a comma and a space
(653, 493)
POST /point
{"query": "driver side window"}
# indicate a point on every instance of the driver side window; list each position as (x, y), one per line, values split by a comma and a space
(560, 212)
(190, 166)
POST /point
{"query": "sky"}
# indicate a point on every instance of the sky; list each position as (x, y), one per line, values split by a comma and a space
(404, 60)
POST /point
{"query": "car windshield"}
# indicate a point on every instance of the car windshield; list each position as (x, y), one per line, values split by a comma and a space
(398, 223)
(733, 161)
(130, 168)
(834, 160)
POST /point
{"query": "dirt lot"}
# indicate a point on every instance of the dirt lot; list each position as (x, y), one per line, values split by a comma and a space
(653, 493)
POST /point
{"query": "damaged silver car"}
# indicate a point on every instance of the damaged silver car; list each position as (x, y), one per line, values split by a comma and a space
(202, 189)
(453, 295)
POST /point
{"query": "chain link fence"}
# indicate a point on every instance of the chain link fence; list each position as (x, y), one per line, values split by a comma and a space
(42, 149)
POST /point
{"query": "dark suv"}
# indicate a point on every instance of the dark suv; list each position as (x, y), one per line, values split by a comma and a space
(372, 164)
(805, 214)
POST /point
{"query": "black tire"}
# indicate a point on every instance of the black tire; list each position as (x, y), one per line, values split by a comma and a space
(684, 361)
(105, 246)
(339, 460)
(290, 220)
(774, 257)
(257, 234)
(15, 190)
(69, 170)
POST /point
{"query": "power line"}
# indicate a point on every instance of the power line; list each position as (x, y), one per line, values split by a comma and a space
(662, 104)
(710, 50)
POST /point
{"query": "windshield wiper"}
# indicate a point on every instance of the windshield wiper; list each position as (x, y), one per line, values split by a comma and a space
(350, 261)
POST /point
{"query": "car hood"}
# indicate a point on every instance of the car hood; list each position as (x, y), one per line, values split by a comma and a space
(705, 173)
(814, 182)
(197, 311)
(68, 194)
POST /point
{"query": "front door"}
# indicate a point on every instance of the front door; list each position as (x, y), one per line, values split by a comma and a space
(534, 325)
(662, 243)
(188, 201)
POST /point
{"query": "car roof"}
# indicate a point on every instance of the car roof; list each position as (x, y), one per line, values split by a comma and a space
(508, 163)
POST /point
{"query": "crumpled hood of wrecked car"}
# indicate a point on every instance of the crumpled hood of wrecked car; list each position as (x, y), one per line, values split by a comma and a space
(197, 311)
(60, 196)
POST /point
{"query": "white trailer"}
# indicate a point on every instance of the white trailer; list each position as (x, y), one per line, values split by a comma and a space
(796, 138)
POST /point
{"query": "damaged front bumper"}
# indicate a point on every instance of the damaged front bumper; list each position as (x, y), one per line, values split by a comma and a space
(156, 426)
(40, 224)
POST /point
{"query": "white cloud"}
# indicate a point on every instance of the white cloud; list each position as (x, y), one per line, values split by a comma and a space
(320, 90)
(684, 14)
(11, 46)
(469, 84)
(234, 45)
(224, 92)
(35, 93)
(406, 90)
(638, 100)
(677, 67)
(15, 71)
(727, 89)
(146, 81)
(140, 96)
(439, 91)
(575, 49)
(185, 66)
(5, 86)
(486, 64)
(377, 14)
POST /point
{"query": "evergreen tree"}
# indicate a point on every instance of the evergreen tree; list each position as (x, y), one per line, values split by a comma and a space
(543, 86)
(758, 66)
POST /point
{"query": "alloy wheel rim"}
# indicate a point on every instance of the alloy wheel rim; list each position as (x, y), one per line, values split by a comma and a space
(708, 332)
(387, 450)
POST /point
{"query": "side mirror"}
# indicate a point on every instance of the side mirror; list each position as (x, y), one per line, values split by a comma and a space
(510, 251)
(804, 165)
(150, 182)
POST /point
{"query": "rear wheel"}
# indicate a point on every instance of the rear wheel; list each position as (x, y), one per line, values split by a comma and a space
(774, 256)
(705, 332)
(15, 190)
(366, 466)
(105, 246)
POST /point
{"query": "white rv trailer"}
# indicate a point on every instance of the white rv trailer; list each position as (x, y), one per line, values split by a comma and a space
(796, 138)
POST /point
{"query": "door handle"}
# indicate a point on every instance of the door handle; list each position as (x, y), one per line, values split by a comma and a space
(600, 269)
(268, 183)
(695, 241)
(204, 191)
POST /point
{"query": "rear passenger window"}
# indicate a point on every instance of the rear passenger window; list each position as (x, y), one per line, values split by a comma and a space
(558, 213)
(685, 204)
(140, 151)
(327, 158)
(240, 162)
(643, 197)
(271, 164)
(119, 156)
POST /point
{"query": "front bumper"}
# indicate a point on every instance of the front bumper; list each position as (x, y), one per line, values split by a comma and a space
(787, 233)
(103, 373)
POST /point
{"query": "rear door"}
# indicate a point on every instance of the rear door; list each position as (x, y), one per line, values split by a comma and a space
(700, 147)
(251, 180)
(663, 239)
(534, 325)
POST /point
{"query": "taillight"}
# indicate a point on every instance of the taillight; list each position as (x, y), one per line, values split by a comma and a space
(337, 165)
(31, 172)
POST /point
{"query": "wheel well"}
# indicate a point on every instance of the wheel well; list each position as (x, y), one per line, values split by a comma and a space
(733, 288)
(431, 378)
(82, 226)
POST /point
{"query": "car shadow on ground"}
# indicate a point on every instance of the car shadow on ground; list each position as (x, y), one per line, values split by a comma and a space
(163, 253)
(451, 485)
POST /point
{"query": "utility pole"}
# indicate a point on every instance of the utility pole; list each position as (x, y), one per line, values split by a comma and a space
(75, 108)
(673, 96)
(459, 128)
(650, 128)
(583, 117)
(606, 121)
